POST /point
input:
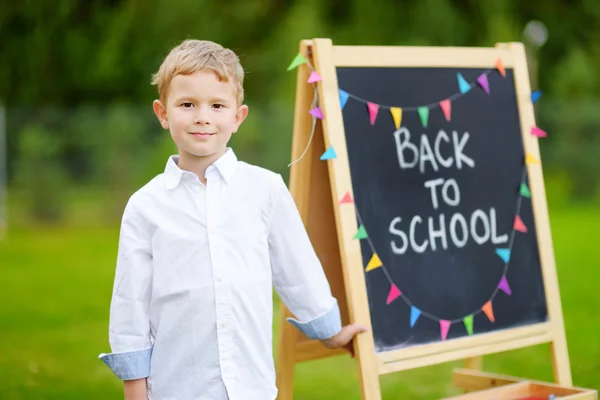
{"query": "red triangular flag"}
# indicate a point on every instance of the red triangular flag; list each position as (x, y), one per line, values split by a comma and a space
(347, 199)
(393, 294)
(500, 67)
(373, 108)
(519, 225)
(445, 105)
(487, 309)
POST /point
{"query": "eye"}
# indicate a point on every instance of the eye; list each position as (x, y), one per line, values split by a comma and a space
(218, 106)
(187, 104)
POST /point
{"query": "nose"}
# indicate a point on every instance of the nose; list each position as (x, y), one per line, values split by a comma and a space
(202, 116)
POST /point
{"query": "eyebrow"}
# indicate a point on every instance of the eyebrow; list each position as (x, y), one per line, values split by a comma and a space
(212, 100)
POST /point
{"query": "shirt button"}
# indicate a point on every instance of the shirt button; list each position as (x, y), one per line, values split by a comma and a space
(219, 278)
(197, 188)
(223, 324)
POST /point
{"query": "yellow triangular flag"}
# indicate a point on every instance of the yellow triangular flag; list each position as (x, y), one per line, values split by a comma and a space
(397, 115)
(529, 159)
(374, 263)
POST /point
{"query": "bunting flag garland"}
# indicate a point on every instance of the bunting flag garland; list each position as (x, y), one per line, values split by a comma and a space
(374, 263)
(529, 159)
(463, 85)
(487, 309)
(299, 60)
(393, 294)
(424, 114)
(314, 77)
(504, 254)
(444, 328)
(361, 233)
(519, 225)
(524, 190)
(343, 98)
(535, 96)
(468, 321)
(503, 285)
(329, 154)
(535, 131)
(316, 112)
(373, 108)
(446, 108)
(397, 115)
(500, 67)
(483, 82)
(347, 199)
(415, 313)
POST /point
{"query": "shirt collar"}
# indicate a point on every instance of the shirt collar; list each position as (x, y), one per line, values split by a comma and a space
(225, 165)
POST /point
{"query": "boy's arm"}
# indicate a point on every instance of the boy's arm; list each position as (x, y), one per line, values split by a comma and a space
(129, 329)
(299, 278)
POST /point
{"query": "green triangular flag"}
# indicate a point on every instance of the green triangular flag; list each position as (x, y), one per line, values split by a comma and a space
(297, 61)
(468, 321)
(424, 114)
(524, 190)
(361, 233)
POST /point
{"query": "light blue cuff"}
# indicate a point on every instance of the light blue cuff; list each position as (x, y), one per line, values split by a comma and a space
(323, 327)
(129, 365)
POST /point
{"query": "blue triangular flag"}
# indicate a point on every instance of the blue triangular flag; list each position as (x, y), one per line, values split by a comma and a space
(329, 154)
(463, 85)
(414, 315)
(504, 254)
(343, 98)
(535, 96)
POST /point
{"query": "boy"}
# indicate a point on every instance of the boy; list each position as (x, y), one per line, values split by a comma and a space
(200, 248)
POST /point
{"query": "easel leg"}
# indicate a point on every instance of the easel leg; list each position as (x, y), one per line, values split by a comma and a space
(560, 363)
(286, 357)
(474, 363)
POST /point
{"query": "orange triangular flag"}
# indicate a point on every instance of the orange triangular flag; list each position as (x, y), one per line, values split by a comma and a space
(445, 105)
(347, 199)
(500, 67)
(487, 309)
(374, 263)
(529, 159)
(519, 225)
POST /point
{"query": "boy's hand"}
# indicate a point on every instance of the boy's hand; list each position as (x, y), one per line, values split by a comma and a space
(344, 338)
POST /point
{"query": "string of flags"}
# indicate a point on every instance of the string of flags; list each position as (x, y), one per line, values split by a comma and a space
(423, 111)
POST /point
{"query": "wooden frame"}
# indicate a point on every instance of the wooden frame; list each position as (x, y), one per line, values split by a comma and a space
(317, 184)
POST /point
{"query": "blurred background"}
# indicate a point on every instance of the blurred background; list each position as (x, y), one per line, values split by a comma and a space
(78, 137)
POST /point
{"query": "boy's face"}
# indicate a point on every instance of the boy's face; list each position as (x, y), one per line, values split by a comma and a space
(201, 113)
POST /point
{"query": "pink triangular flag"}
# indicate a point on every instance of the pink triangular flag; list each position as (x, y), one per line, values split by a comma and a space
(444, 328)
(393, 294)
(347, 199)
(483, 82)
(314, 77)
(445, 105)
(316, 112)
(503, 285)
(535, 131)
(519, 225)
(373, 108)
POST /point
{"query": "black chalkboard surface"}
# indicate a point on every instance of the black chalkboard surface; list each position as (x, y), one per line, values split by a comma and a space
(458, 277)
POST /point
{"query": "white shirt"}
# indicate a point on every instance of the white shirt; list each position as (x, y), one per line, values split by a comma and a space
(192, 302)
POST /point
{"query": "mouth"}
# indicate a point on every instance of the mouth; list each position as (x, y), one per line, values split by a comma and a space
(201, 134)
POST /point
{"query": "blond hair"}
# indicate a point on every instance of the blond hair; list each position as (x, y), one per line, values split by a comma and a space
(200, 55)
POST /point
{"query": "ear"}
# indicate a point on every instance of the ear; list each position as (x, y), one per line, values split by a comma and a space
(161, 113)
(240, 116)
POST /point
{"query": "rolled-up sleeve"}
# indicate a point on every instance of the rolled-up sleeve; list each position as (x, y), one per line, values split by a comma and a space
(298, 275)
(129, 328)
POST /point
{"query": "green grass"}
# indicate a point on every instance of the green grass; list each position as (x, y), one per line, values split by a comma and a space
(55, 292)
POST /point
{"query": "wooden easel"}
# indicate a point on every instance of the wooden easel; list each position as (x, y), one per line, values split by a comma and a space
(318, 185)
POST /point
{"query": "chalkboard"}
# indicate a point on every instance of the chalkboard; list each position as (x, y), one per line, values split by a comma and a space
(389, 192)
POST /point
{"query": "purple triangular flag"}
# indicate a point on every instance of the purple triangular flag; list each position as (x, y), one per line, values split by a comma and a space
(314, 77)
(316, 112)
(503, 285)
(483, 82)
